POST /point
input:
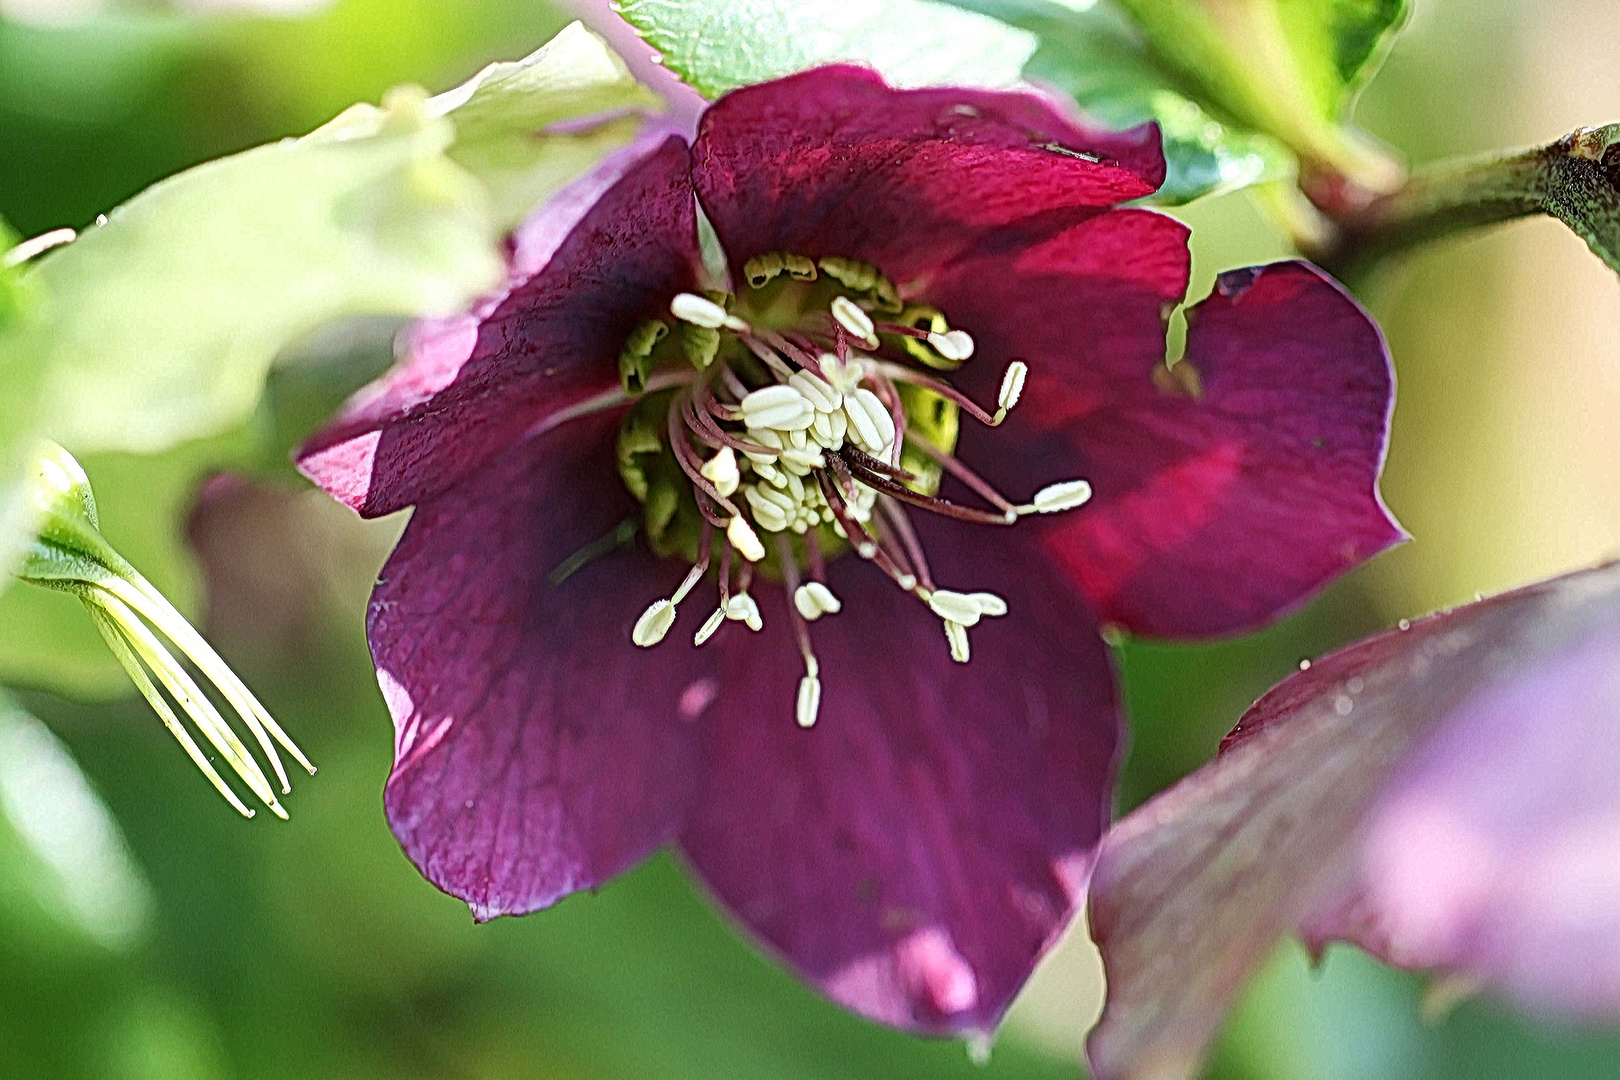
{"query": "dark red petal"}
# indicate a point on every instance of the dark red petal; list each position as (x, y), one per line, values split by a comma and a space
(1215, 508)
(835, 162)
(603, 256)
(537, 750)
(915, 852)
(1443, 794)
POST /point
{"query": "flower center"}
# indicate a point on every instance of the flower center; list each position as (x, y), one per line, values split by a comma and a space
(798, 412)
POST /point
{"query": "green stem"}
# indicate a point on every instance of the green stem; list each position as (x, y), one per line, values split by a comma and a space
(1573, 179)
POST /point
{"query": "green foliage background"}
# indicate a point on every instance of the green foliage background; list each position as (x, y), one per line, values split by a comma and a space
(313, 950)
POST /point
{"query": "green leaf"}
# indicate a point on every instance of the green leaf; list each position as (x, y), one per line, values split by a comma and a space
(502, 113)
(159, 325)
(720, 45)
(19, 392)
(1097, 57)
(1288, 68)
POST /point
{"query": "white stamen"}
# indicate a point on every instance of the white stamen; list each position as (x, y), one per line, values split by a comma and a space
(745, 540)
(653, 624)
(805, 459)
(813, 599)
(956, 634)
(843, 377)
(809, 703)
(954, 606)
(853, 319)
(701, 311)
(954, 345)
(817, 391)
(1012, 387)
(989, 603)
(710, 625)
(770, 397)
(870, 424)
(741, 608)
(29, 249)
(721, 471)
(1055, 497)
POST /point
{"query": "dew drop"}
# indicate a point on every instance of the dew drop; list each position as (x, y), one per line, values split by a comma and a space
(1343, 704)
(1405, 624)
(1304, 665)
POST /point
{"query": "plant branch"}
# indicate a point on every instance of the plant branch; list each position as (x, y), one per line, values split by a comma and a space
(1575, 179)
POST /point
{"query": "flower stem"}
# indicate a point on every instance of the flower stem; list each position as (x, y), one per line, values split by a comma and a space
(1575, 179)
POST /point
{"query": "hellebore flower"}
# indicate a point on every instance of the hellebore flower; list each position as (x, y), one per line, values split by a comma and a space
(1442, 794)
(623, 419)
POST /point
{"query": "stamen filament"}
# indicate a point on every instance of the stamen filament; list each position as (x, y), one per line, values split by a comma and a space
(895, 515)
(886, 486)
(953, 465)
(901, 373)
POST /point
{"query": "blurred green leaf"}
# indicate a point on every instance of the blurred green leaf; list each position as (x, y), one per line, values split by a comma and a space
(19, 379)
(1096, 56)
(502, 115)
(159, 326)
(720, 45)
(1288, 68)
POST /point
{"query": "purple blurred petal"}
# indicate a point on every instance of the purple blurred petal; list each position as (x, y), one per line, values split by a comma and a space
(916, 852)
(835, 162)
(603, 256)
(1258, 484)
(537, 750)
(1291, 823)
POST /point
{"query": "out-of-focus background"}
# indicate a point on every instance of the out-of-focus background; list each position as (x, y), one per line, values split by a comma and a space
(148, 932)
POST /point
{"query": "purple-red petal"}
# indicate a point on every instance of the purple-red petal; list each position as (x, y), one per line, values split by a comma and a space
(537, 751)
(916, 851)
(603, 256)
(835, 162)
(1442, 793)
(1225, 492)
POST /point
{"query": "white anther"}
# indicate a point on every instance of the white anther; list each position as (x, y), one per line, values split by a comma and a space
(840, 427)
(843, 377)
(804, 459)
(821, 428)
(721, 471)
(710, 625)
(956, 634)
(768, 408)
(1054, 497)
(653, 624)
(1012, 385)
(989, 603)
(813, 599)
(744, 539)
(809, 703)
(870, 424)
(954, 345)
(770, 397)
(764, 437)
(854, 320)
(741, 608)
(817, 391)
(954, 606)
(700, 311)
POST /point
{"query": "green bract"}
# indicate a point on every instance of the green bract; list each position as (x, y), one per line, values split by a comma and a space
(1289, 68)
(720, 45)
